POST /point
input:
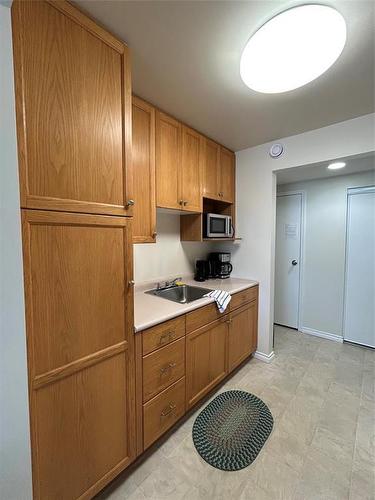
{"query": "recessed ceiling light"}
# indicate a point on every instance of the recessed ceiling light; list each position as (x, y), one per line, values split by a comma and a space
(293, 48)
(336, 165)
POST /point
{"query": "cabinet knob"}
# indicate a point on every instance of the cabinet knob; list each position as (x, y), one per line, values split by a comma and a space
(130, 203)
(185, 203)
(154, 234)
(131, 283)
(181, 202)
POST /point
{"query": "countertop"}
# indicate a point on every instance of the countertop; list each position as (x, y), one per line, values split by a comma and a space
(150, 310)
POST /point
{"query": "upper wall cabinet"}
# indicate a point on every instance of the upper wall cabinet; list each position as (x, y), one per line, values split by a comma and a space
(178, 165)
(73, 100)
(143, 155)
(218, 172)
(227, 175)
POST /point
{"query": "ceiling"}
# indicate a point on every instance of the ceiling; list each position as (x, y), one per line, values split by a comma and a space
(185, 60)
(354, 165)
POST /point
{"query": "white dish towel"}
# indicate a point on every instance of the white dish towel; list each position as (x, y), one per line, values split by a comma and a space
(221, 297)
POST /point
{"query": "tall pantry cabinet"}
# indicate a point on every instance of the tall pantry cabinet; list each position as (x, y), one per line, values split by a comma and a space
(73, 106)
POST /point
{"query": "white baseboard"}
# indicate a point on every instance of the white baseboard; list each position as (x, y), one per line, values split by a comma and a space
(323, 335)
(267, 358)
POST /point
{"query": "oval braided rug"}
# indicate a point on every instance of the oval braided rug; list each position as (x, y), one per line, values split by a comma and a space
(232, 429)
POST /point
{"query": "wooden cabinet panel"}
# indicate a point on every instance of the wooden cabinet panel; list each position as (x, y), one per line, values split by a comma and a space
(241, 298)
(163, 367)
(242, 334)
(190, 178)
(206, 361)
(211, 170)
(79, 318)
(82, 430)
(227, 175)
(202, 316)
(163, 334)
(168, 159)
(73, 104)
(163, 411)
(143, 155)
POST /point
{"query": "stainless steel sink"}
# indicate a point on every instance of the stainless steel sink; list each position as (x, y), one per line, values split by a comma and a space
(182, 294)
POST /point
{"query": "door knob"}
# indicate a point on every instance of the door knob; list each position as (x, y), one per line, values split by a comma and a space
(294, 262)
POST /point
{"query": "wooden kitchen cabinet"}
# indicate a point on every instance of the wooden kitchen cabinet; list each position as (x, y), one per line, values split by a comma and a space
(206, 363)
(79, 319)
(178, 165)
(242, 338)
(73, 107)
(227, 175)
(211, 170)
(143, 155)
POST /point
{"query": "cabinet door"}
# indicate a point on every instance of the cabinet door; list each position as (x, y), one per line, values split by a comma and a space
(211, 170)
(242, 334)
(73, 106)
(143, 154)
(190, 179)
(168, 159)
(79, 318)
(227, 172)
(205, 360)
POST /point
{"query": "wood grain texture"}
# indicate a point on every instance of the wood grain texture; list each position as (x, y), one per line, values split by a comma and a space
(162, 368)
(80, 343)
(206, 359)
(227, 175)
(241, 298)
(73, 115)
(240, 339)
(143, 154)
(168, 161)
(202, 316)
(191, 166)
(163, 411)
(163, 334)
(138, 392)
(191, 227)
(211, 170)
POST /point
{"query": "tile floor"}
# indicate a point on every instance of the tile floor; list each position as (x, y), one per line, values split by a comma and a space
(322, 447)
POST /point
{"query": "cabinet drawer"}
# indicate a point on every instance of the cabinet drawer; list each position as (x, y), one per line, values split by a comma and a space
(240, 298)
(203, 316)
(162, 368)
(163, 411)
(163, 334)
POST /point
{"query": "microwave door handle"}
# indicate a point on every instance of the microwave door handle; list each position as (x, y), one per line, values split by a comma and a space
(228, 227)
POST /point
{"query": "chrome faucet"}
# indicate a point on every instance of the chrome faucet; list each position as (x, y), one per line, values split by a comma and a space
(168, 284)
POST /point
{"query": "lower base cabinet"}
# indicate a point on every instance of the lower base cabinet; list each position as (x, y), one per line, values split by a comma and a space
(242, 338)
(206, 362)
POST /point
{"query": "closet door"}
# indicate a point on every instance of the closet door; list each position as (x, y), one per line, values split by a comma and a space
(79, 318)
(73, 104)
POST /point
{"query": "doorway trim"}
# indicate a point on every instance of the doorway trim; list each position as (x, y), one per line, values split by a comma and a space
(301, 192)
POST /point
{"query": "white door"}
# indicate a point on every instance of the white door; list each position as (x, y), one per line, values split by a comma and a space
(288, 255)
(359, 315)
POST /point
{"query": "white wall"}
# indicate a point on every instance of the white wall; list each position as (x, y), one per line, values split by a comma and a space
(168, 256)
(15, 462)
(323, 265)
(256, 193)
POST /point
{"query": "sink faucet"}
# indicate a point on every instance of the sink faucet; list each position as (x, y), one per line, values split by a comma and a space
(168, 284)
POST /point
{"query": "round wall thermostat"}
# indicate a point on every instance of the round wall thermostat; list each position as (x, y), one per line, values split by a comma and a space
(276, 150)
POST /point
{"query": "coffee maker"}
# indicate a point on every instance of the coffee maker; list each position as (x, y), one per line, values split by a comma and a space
(220, 264)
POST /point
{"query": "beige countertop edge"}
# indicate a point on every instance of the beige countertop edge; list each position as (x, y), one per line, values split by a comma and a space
(150, 310)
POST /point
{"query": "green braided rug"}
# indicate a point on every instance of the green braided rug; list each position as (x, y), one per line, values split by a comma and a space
(230, 432)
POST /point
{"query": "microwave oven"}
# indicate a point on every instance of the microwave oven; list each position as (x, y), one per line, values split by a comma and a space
(218, 226)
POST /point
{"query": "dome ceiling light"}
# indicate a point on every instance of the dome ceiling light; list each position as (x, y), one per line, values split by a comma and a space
(293, 48)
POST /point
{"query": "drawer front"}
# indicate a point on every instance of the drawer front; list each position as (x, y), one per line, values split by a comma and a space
(162, 368)
(240, 298)
(163, 334)
(163, 411)
(202, 316)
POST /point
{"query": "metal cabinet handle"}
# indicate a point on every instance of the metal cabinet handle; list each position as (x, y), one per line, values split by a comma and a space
(185, 203)
(131, 283)
(168, 410)
(228, 321)
(130, 203)
(167, 367)
(181, 202)
(165, 337)
(154, 234)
